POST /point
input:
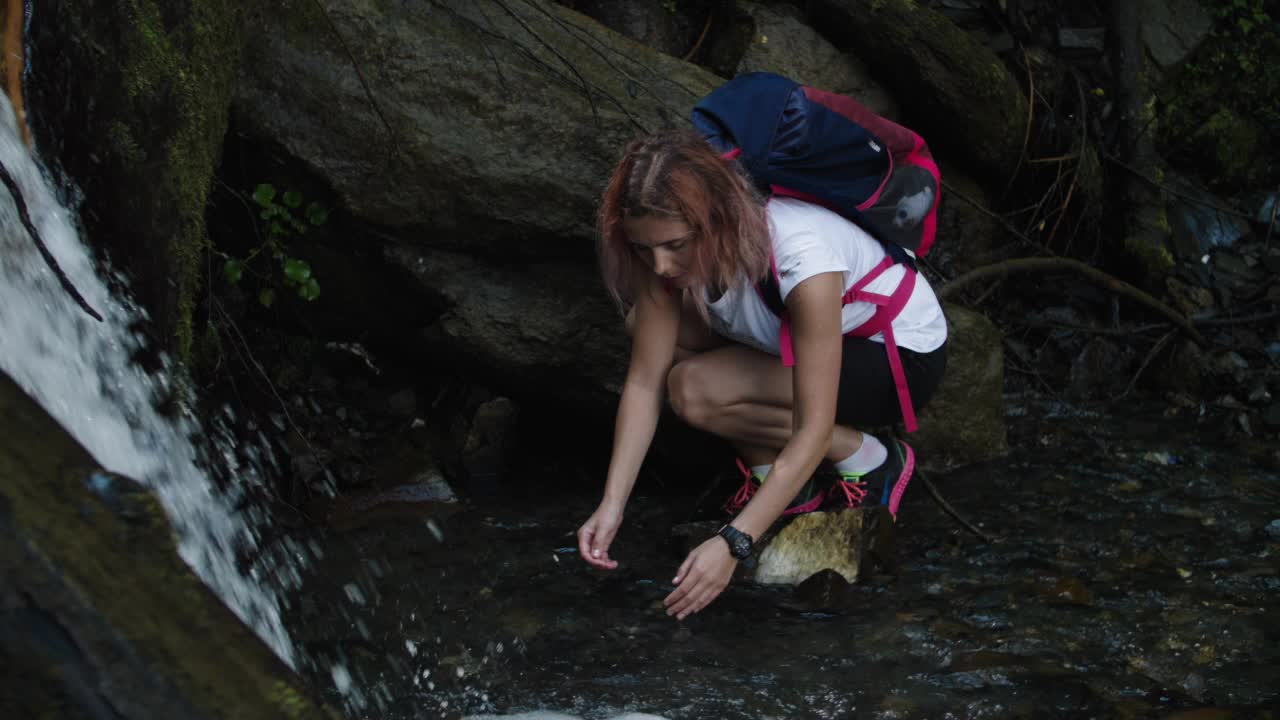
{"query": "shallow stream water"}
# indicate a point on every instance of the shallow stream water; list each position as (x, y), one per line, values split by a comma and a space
(1133, 571)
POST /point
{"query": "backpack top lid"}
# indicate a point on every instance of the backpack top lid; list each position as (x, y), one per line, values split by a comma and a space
(792, 145)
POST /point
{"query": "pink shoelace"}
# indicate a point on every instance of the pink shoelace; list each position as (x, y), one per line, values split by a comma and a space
(854, 491)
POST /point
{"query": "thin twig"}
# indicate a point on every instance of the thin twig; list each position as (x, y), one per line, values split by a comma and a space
(1110, 282)
(951, 190)
(701, 36)
(25, 218)
(359, 73)
(946, 507)
(1155, 350)
(284, 407)
(1165, 188)
(1026, 136)
(586, 86)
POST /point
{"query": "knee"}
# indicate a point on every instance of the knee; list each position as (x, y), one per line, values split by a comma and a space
(688, 391)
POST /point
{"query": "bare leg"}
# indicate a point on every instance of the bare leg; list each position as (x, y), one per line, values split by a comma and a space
(745, 396)
(736, 392)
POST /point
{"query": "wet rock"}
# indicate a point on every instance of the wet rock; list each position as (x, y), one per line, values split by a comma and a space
(489, 440)
(99, 615)
(1273, 529)
(772, 39)
(1094, 39)
(1198, 229)
(403, 403)
(845, 541)
(1097, 366)
(824, 591)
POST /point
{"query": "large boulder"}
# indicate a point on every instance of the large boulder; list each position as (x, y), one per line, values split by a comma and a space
(964, 422)
(492, 124)
(131, 100)
(99, 616)
(547, 326)
(953, 89)
(773, 38)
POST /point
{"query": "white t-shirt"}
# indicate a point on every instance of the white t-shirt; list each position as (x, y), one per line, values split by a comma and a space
(809, 239)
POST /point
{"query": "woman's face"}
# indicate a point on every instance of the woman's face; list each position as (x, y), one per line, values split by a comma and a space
(664, 244)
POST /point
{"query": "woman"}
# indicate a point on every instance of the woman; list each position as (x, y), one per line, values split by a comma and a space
(684, 238)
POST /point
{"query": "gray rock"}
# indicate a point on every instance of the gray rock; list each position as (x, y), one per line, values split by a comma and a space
(100, 615)
(964, 422)
(1171, 29)
(797, 548)
(1082, 39)
(775, 40)
(502, 129)
(952, 89)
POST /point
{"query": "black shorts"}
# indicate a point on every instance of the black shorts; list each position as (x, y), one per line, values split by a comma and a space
(868, 396)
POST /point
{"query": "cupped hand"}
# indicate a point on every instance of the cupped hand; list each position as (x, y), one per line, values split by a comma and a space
(596, 535)
(701, 578)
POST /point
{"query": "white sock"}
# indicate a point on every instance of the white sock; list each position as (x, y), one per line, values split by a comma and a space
(761, 471)
(870, 456)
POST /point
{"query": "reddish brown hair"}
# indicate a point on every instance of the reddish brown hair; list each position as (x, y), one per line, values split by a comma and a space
(676, 174)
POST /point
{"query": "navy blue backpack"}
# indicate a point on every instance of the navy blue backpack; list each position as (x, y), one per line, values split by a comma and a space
(821, 147)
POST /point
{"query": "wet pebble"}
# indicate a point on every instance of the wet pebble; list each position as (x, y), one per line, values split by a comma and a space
(1273, 529)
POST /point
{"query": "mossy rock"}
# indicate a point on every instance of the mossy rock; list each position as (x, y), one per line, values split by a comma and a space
(99, 616)
(133, 97)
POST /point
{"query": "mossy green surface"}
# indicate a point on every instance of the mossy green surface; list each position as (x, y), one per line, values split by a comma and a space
(184, 72)
(95, 562)
(1220, 110)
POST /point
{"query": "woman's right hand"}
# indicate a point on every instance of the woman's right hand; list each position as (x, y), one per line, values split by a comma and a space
(596, 534)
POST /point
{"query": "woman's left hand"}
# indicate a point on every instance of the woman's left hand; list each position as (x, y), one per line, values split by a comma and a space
(701, 578)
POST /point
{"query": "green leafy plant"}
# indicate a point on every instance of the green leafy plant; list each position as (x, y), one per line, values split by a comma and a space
(283, 218)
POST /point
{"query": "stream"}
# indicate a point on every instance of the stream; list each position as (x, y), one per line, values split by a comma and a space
(1132, 572)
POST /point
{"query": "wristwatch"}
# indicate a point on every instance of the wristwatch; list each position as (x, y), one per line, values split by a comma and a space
(740, 543)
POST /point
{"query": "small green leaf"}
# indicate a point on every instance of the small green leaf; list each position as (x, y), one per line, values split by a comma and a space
(309, 290)
(317, 214)
(296, 270)
(267, 297)
(267, 213)
(233, 269)
(264, 194)
(292, 198)
(275, 228)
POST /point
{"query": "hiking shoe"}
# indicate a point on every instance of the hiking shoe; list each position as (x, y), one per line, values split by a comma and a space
(807, 500)
(882, 486)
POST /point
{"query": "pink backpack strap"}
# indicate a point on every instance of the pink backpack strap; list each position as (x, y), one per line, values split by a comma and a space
(882, 322)
(887, 308)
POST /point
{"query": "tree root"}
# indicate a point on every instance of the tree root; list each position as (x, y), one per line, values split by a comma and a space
(25, 217)
(1110, 282)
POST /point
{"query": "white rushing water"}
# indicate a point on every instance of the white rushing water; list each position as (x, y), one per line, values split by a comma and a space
(80, 371)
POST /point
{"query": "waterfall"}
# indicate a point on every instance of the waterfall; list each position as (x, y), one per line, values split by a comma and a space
(80, 371)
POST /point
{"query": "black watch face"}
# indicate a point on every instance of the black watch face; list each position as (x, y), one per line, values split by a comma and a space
(739, 542)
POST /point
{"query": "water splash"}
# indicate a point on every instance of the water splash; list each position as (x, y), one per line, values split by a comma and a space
(80, 371)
